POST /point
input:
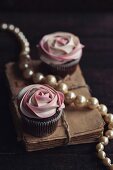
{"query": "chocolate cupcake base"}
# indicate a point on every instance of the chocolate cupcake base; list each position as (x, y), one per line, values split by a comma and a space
(64, 69)
(40, 127)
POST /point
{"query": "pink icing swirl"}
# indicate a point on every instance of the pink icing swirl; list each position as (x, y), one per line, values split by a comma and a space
(40, 101)
(60, 47)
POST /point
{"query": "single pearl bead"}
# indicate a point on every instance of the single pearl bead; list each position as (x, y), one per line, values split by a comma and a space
(108, 118)
(80, 101)
(38, 77)
(110, 126)
(104, 140)
(70, 97)
(4, 26)
(109, 134)
(28, 73)
(27, 49)
(23, 65)
(26, 43)
(93, 103)
(51, 80)
(107, 161)
(21, 35)
(103, 109)
(62, 87)
(16, 30)
(11, 27)
(24, 56)
(101, 154)
(99, 147)
(111, 167)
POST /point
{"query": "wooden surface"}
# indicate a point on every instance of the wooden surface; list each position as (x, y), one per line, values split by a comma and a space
(96, 33)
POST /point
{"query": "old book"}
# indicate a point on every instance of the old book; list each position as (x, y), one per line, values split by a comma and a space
(85, 126)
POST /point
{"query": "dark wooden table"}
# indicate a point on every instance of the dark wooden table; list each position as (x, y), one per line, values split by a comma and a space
(96, 33)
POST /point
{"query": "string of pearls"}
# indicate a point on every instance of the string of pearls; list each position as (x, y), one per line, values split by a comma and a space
(25, 59)
(70, 96)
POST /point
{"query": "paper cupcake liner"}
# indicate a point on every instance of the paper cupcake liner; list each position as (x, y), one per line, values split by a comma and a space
(63, 69)
(40, 127)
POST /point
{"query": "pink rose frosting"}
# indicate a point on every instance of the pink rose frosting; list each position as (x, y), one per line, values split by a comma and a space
(60, 47)
(40, 101)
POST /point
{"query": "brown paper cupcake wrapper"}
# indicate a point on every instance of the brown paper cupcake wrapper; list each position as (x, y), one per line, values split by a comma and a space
(63, 69)
(40, 128)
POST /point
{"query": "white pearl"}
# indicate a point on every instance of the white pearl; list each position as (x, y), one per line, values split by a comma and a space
(38, 77)
(101, 154)
(109, 134)
(27, 49)
(26, 43)
(24, 57)
(108, 118)
(104, 140)
(23, 65)
(62, 87)
(28, 74)
(103, 109)
(80, 101)
(11, 27)
(107, 161)
(93, 103)
(99, 147)
(4, 26)
(51, 80)
(16, 30)
(70, 97)
(21, 34)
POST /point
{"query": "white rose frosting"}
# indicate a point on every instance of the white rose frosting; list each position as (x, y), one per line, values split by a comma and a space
(40, 101)
(60, 47)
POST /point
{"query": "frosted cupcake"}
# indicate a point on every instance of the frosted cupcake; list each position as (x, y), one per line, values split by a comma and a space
(40, 107)
(60, 51)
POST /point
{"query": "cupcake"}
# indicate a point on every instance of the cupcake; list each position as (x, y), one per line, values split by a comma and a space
(60, 52)
(40, 107)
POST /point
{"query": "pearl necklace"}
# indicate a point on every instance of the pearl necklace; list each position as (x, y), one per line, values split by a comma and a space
(70, 97)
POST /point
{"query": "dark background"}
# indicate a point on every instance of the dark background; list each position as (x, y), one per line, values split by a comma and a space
(92, 21)
(56, 5)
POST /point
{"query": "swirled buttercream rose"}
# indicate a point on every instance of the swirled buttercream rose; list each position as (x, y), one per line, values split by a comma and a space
(40, 101)
(60, 48)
